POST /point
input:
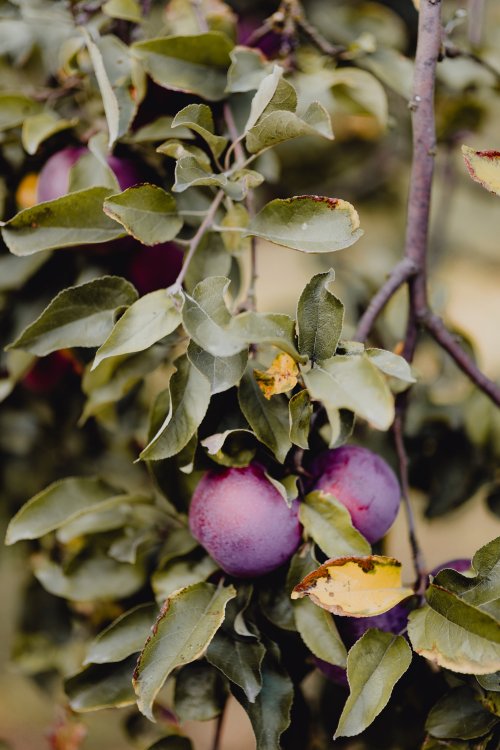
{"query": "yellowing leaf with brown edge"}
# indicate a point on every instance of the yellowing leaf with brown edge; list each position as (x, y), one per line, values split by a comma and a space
(484, 167)
(355, 586)
(280, 377)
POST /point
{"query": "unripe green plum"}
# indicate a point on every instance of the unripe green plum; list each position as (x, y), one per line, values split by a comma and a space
(243, 522)
(363, 482)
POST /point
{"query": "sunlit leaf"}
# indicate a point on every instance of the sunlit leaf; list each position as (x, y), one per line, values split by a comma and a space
(355, 586)
(484, 167)
(280, 126)
(187, 623)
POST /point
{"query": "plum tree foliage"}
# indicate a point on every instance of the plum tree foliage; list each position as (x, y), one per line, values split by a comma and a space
(193, 460)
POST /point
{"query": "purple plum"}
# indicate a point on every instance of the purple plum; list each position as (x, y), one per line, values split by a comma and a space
(243, 522)
(363, 482)
(53, 181)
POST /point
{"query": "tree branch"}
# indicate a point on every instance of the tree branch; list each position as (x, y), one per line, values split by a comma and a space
(435, 326)
(399, 274)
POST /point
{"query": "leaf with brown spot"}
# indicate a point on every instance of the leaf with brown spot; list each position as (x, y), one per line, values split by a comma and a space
(280, 377)
(355, 586)
(483, 167)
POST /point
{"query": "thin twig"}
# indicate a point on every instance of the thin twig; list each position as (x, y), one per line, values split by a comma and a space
(218, 730)
(399, 274)
(398, 430)
(250, 301)
(449, 343)
(195, 241)
(332, 50)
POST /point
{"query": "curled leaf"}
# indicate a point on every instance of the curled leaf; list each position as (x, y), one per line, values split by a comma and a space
(355, 586)
(280, 377)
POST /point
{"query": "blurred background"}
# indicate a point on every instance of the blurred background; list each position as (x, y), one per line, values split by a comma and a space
(454, 435)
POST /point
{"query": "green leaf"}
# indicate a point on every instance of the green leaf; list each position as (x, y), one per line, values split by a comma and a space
(102, 686)
(280, 126)
(310, 223)
(90, 170)
(190, 172)
(15, 108)
(159, 130)
(125, 636)
(73, 219)
(189, 400)
(57, 504)
(177, 574)
(200, 692)
(268, 419)
(364, 89)
(198, 117)
(320, 316)
(113, 68)
(329, 523)
(222, 372)
(145, 322)
(79, 316)
(187, 623)
(37, 128)
(147, 212)
(393, 365)
(283, 99)
(197, 64)
(247, 70)
(490, 681)
(116, 513)
(374, 664)
(318, 631)
(459, 715)
(450, 645)
(277, 329)
(206, 318)
(300, 412)
(270, 713)
(126, 10)
(178, 150)
(459, 612)
(353, 382)
(96, 578)
(263, 96)
(483, 589)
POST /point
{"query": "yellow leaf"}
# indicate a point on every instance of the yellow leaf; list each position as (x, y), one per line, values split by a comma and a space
(280, 377)
(484, 167)
(355, 586)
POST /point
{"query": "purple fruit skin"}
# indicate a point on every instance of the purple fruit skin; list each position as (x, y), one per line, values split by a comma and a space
(155, 267)
(53, 181)
(243, 522)
(363, 482)
(461, 565)
(393, 621)
(335, 674)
